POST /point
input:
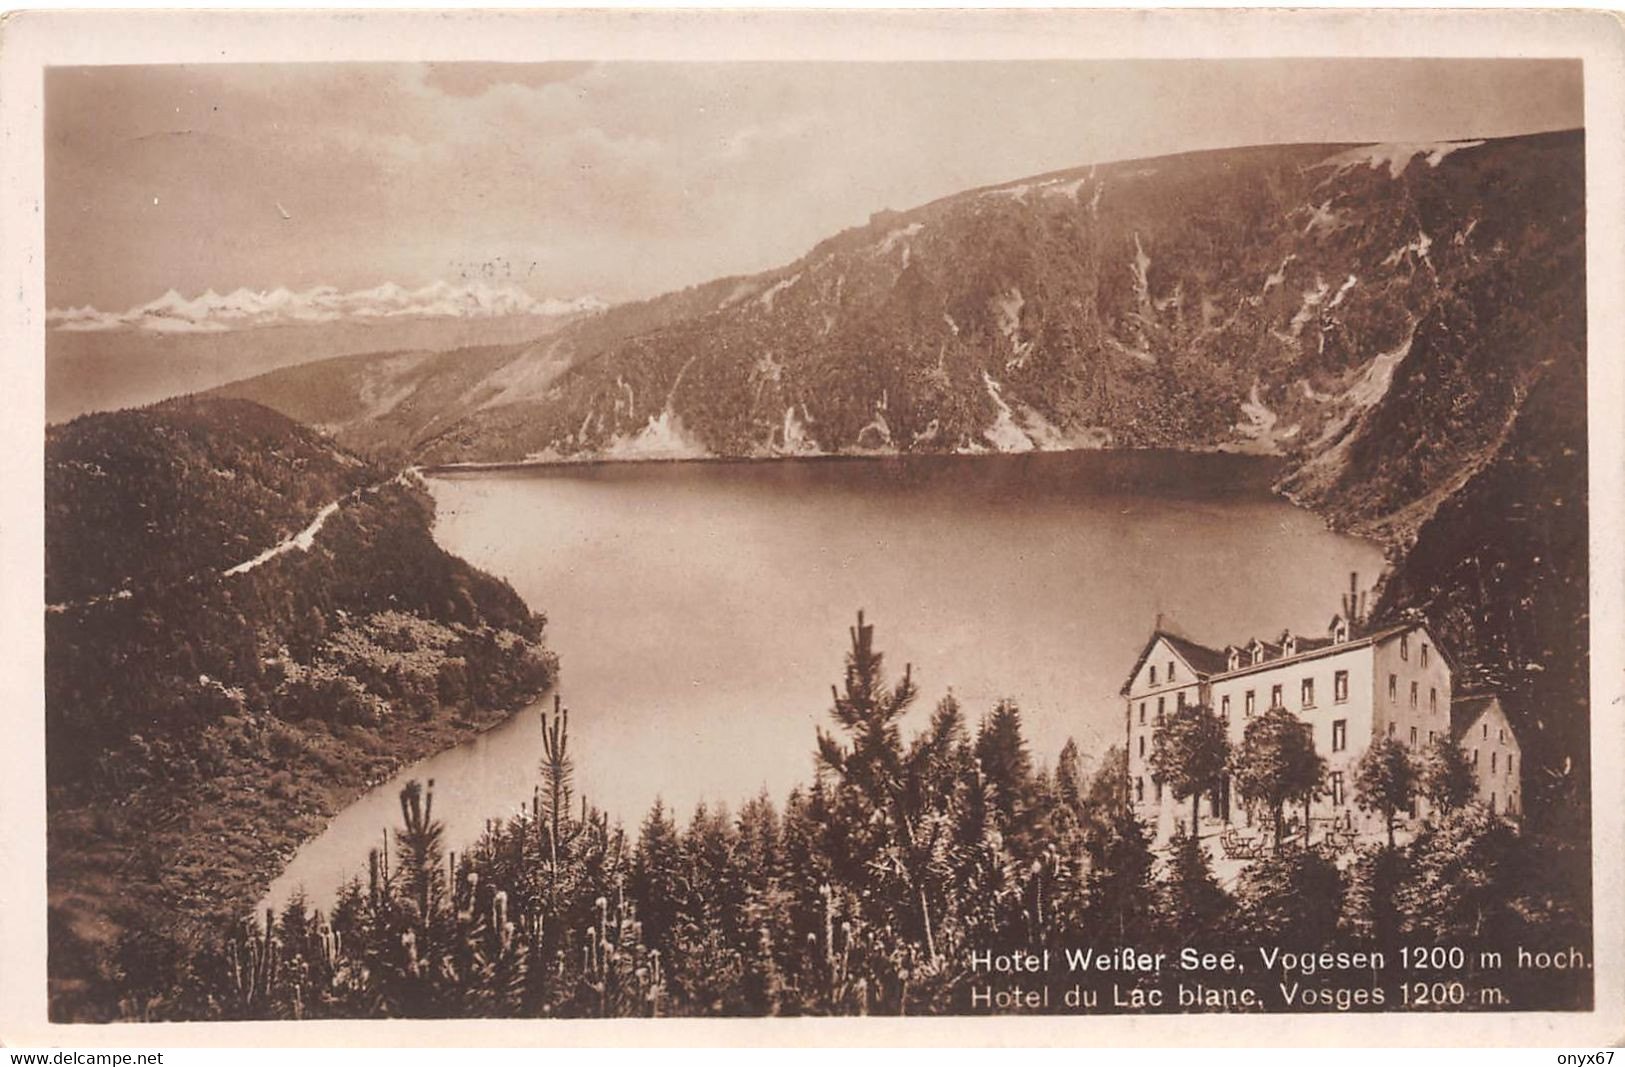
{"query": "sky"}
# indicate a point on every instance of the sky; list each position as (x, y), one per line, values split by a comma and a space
(623, 180)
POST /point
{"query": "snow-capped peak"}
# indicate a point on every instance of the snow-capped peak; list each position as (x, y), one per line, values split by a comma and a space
(210, 312)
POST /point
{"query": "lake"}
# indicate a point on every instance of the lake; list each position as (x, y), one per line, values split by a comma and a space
(700, 610)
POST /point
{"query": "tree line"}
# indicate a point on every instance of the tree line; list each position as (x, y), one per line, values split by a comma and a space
(867, 890)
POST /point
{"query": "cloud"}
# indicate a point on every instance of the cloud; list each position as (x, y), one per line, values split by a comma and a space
(210, 312)
(476, 79)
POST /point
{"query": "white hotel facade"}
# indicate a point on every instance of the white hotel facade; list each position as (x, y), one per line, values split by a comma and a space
(1349, 686)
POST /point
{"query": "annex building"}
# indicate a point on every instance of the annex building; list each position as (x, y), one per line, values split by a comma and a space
(1349, 686)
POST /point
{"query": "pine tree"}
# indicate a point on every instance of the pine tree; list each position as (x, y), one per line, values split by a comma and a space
(557, 771)
(1195, 910)
(875, 767)
(655, 878)
(1069, 782)
(419, 849)
(1001, 753)
(1120, 896)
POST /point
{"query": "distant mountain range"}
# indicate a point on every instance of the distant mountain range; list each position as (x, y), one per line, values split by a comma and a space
(210, 312)
(101, 361)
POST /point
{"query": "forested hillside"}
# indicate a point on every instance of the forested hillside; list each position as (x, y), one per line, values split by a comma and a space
(1501, 571)
(204, 712)
(870, 890)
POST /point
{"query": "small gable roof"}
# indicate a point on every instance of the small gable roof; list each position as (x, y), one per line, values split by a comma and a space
(1199, 658)
(1466, 710)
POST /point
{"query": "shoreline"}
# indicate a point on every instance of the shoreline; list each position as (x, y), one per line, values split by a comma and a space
(440, 470)
(212, 857)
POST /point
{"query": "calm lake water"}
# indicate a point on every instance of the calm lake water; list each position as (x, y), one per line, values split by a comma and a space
(700, 610)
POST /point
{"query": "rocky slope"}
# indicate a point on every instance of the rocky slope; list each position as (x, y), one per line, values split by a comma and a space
(1374, 313)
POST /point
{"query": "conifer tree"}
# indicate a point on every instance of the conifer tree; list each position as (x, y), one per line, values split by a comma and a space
(557, 772)
(419, 849)
(1120, 897)
(655, 878)
(1195, 910)
(875, 767)
(1069, 784)
(1001, 752)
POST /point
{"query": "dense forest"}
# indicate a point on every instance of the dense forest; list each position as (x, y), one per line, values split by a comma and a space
(869, 891)
(204, 717)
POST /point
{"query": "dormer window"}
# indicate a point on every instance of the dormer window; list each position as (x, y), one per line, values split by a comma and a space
(1289, 645)
(1232, 658)
(1339, 629)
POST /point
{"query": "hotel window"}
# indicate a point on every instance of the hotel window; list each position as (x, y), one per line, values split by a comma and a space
(1475, 757)
(1391, 728)
(1495, 764)
(1433, 700)
(1413, 737)
(1509, 763)
(1335, 779)
(1404, 646)
(1308, 692)
(1393, 688)
(1340, 687)
(1153, 676)
(1431, 736)
(1142, 744)
(1276, 700)
(1486, 731)
(1340, 735)
(1139, 789)
(1492, 803)
(1142, 713)
(1179, 699)
(1503, 733)
(1159, 790)
(1414, 691)
(1252, 702)
(1170, 670)
(1224, 708)
(1162, 703)
(1424, 653)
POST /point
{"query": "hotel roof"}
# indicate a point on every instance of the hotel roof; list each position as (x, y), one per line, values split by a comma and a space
(1210, 663)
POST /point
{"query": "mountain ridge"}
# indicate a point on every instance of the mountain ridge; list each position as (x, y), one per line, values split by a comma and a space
(1401, 324)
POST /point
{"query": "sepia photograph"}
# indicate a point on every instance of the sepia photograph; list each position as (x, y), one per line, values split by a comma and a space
(602, 538)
